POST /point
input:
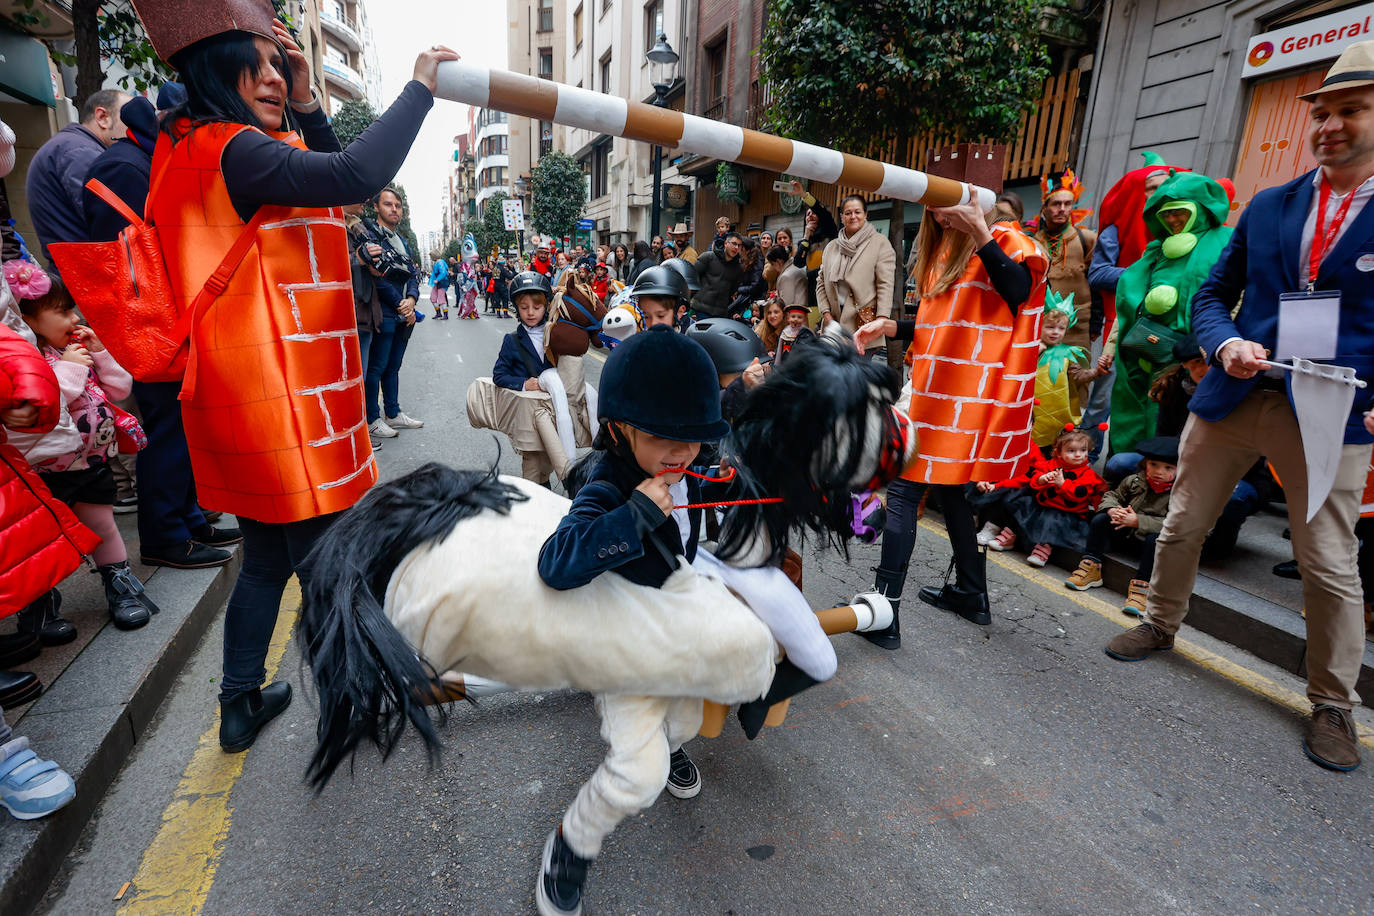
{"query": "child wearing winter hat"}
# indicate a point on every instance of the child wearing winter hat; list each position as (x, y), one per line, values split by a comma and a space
(90, 381)
(1133, 513)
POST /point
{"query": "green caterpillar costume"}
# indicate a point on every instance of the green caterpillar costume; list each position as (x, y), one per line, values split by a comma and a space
(1154, 296)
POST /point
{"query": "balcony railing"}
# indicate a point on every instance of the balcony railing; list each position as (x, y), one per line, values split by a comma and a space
(343, 28)
(545, 147)
(345, 76)
(718, 109)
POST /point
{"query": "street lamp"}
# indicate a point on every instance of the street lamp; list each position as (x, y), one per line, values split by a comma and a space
(663, 62)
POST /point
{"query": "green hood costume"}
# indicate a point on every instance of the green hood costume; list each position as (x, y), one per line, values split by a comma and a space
(1154, 296)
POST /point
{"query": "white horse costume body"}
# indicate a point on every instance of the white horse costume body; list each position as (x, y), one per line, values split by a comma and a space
(690, 638)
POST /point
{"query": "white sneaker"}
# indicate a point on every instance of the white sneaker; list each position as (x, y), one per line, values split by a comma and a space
(381, 430)
(401, 421)
(989, 534)
(376, 446)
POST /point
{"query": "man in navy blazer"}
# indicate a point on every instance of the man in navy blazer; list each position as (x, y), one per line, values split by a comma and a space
(1243, 410)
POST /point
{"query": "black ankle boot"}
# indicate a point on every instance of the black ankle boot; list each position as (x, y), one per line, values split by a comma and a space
(42, 620)
(130, 606)
(243, 717)
(968, 604)
(788, 681)
(888, 583)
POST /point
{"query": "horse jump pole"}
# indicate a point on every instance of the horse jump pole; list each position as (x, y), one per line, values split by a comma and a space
(545, 100)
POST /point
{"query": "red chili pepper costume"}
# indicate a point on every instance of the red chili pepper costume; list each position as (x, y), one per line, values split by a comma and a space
(973, 373)
(275, 424)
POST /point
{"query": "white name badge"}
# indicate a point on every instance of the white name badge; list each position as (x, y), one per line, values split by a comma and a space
(1309, 324)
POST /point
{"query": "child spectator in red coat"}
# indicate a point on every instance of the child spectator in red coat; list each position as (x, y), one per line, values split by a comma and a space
(1049, 504)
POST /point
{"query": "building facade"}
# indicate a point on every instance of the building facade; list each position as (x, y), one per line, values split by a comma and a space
(1212, 85)
(349, 64)
(492, 155)
(534, 47)
(605, 43)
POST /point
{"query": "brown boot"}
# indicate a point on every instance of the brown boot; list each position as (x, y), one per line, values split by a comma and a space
(1331, 740)
(1135, 599)
(1087, 575)
(1137, 643)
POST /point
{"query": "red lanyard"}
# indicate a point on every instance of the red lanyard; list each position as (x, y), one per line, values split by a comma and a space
(1323, 239)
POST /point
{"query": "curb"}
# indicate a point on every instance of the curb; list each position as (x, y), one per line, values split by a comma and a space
(1269, 631)
(90, 718)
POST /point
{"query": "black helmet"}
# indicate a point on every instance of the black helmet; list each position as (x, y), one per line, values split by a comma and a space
(661, 280)
(531, 281)
(732, 345)
(686, 269)
(663, 383)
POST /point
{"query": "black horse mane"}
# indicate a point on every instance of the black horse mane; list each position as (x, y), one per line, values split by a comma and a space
(803, 435)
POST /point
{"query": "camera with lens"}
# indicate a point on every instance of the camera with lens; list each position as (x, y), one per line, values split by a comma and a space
(391, 264)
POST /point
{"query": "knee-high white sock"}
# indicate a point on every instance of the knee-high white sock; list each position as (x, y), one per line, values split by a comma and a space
(552, 382)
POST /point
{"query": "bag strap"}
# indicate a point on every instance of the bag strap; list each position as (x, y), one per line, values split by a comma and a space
(98, 188)
(217, 282)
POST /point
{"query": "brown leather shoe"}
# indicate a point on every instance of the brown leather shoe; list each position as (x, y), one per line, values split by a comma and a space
(1331, 741)
(1137, 643)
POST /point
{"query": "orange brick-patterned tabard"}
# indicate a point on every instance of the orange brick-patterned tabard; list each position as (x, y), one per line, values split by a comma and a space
(973, 373)
(275, 424)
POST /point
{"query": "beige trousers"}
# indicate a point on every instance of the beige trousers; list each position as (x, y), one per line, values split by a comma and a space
(642, 733)
(1213, 456)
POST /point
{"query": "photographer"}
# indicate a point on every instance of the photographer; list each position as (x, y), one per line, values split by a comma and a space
(398, 287)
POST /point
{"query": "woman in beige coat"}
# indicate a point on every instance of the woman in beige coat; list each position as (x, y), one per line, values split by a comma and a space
(857, 271)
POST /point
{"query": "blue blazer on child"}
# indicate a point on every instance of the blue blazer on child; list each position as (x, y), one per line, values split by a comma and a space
(518, 360)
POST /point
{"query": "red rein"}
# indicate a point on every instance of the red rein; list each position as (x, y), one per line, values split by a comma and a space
(729, 476)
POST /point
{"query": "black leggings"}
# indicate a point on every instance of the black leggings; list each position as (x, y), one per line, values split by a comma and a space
(1102, 536)
(899, 534)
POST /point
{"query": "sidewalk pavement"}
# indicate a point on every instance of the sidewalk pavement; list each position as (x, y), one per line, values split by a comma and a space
(100, 694)
(103, 690)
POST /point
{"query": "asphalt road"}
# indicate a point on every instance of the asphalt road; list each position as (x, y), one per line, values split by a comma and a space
(1007, 769)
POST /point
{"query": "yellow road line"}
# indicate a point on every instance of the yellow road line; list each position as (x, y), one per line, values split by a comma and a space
(1238, 674)
(178, 867)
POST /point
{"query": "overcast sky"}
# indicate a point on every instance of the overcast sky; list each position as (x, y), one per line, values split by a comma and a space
(476, 29)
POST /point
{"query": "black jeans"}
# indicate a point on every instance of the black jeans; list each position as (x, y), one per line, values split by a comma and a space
(271, 553)
(899, 534)
(1102, 536)
(167, 510)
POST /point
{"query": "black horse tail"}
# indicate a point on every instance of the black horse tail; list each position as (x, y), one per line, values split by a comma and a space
(370, 680)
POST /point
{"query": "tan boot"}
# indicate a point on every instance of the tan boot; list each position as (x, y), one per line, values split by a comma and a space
(1087, 575)
(1137, 643)
(1135, 598)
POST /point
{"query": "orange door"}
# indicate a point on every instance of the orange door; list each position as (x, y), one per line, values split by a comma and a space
(1273, 148)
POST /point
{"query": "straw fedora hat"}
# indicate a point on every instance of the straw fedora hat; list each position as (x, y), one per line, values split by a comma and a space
(1354, 68)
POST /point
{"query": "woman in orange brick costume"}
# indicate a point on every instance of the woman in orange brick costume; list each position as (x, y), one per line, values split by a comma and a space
(272, 398)
(975, 340)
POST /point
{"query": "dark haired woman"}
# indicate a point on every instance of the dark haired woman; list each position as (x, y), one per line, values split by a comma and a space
(644, 259)
(976, 342)
(857, 272)
(621, 268)
(272, 393)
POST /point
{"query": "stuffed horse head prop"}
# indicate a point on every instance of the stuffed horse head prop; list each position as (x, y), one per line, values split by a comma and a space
(821, 428)
(575, 321)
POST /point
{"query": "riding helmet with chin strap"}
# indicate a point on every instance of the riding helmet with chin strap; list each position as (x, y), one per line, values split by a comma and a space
(662, 383)
(663, 281)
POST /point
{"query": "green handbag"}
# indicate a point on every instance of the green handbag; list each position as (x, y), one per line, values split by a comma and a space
(1151, 341)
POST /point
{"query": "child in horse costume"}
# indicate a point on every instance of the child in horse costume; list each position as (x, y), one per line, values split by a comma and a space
(407, 602)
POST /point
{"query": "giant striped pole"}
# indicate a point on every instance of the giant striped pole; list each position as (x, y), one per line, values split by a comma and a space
(545, 100)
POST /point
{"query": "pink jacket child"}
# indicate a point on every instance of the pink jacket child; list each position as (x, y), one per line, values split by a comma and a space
(89, 378)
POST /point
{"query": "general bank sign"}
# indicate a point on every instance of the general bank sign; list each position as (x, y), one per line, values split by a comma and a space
(1310, 42)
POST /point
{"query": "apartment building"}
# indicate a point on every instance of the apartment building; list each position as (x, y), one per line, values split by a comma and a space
(350, 65)
(534, 47)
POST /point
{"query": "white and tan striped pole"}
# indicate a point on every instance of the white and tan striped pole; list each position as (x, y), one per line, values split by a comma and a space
(545, 100)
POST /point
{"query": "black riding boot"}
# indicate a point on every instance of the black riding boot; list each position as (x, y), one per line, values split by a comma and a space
(243, 717)
(888, 583)
(130, 606)
(788, 681)
(42, 620)
(967, 596)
